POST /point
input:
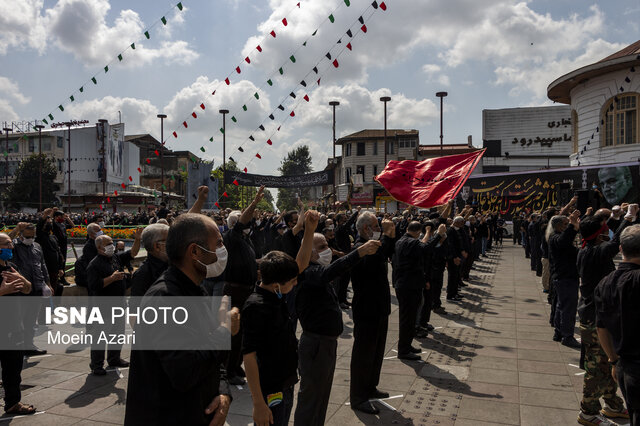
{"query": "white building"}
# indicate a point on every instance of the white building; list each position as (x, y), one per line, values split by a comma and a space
(520, 139)
(604, 99)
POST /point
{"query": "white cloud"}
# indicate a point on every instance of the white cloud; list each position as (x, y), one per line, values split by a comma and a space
(434, 74)
(139, 115)
(431, 69)
(10, 91)
(21, 25)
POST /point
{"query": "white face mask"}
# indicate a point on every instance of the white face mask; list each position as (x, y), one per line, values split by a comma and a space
(467, 223)
(99, 233)
(258, 222)
(101, 224)
(324, 257)
(216, 268)
(28, 241)
(109, 250)
(375, 235)
(330, 228)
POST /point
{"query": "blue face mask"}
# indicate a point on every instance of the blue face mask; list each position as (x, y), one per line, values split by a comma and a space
(6, 254)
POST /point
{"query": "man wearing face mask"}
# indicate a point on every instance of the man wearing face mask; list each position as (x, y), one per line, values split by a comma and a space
(321, 319)
(51, 251)
(29, 260)
(371, 309)
(240, 276)
(182, 387)
(89, 252)
(106, 277)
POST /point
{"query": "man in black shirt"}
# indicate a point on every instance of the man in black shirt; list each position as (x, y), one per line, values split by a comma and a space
(342, 233)
(61, 222)
(564, 273)
(457, 254)
(408, 280)
(181, 387)
(617, 298)
(321, 320)
(154, 240)
(371, 309)
(106, 277)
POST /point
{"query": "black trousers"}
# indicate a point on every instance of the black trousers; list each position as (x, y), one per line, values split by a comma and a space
(566, 291)
(424, 312)
(98, 348)
(628, 374)
(11, 362)
(437, 280)
(454, 279)
(408, 304)
(239, 294)
(316, 364)
(369, 339)
(343, 286)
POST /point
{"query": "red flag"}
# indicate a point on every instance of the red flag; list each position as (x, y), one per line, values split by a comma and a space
(284, 21)
(258, 155)
(269, 142)
(115, 192)
(235, 182)
(194, 115)
(130, 179)
(226, 80)
(258, 48)
(175, 135)
(213, 93)
(245, 170)
(248, 60)
(225, 194)
(349, 46)
(123, 185)
(298, 4)
(383, 6)
(430, 182)
(363, 28)
(238, 70)
(108, 200)
(139, 170)
(335, 63)
(202, 106)
(306, 98)
(184, 123)
(156, 152)
(319, 81)
(148, 161)
(279, 128)
(273, 34)
(292, 114)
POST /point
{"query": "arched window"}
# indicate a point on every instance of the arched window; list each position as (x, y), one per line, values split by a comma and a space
(621, 120)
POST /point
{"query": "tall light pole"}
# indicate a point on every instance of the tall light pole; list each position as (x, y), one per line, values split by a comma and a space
(68, 124)
(334, 104)
(6, 158)
(224, 113)
(385, 99)
(102, 123)
(441, 95)
(39, 127)
(161, 117)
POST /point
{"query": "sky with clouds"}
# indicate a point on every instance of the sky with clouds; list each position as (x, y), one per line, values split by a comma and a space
(486, 54)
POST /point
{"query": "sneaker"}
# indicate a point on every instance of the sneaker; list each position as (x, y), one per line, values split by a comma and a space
(594, 420)
(621, 413)
(571, 342)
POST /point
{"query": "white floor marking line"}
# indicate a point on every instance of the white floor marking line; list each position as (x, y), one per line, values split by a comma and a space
(579, 374)
(24, 415)
(381, 401)
(573, 365)
(39, 356)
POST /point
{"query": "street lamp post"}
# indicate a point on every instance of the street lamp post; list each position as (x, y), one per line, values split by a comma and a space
(334, 104)
(161, 117)
(385, 99)
(6, 158)
(102, 123)
(224, 113)
(441, 95)
(68, 124)
(39, 127)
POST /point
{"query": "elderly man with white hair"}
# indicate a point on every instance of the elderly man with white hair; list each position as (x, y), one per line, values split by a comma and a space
(106, 277)
(154, 241)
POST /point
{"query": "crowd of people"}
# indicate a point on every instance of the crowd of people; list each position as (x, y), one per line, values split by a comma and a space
(281, 269)
(573, 253)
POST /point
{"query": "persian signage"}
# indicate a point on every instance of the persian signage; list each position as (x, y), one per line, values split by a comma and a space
(297, 181)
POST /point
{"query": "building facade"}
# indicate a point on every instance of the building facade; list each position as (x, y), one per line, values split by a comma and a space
(604, 98)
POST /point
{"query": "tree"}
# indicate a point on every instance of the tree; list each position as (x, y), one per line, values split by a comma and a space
(297, 162)
(25, 190)
(239, 197)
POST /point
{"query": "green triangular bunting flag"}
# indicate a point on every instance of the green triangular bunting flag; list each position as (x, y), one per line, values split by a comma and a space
(269, 82)
(304, 44)
(293, 59)
(44, 120)
(281, 71)
(60, 107)
(233, 118)
(120, 57)
(332, 19)
(201, 149)
(256, 95)
(72, 98)
(146, 34)
(221, 130)
(211, 139)
(133, 46)
(81, 89)
(244, 107)
(50, 117)
(94, 80)
(164, 20)
(347, 2)
(106, 69)
(164, 187)
(315, 32)
(179, 6)
(173, 177)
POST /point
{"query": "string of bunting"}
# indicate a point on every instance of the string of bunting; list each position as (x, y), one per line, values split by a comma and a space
(620, 91)
(119, 58)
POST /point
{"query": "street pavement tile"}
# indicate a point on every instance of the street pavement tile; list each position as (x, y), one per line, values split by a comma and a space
(547, 398)
(435, 405)
(113, 414)
(494, 362)
(538, 355)
(441, 371)
(480, 409)
(41, 419)
(535, 416)
(542, 367)
(502, 377)
(84, 405)
(491, 392)
(525, 343)
(50, 377)
(545, 381)
(46, 398)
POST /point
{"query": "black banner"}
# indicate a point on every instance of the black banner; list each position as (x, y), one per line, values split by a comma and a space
(297, 181)
(509, 194)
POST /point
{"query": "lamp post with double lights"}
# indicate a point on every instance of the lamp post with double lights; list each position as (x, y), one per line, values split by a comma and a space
(161, 117)
(441, 95)
(385, 99)
(334, 104)
(39, 127)
(224, 113)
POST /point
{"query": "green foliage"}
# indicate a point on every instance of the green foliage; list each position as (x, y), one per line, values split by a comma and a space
(239, 196)
(297, 162)
(25, 191)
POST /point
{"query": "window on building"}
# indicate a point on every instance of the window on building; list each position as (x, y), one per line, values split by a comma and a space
(574, 129)
(360, 171)
(347, 150)
(59, 141)
(621, 120)
(390, 147)
(46, 145)
(347, 174)
(375, 171)
(32, 145)
(60, 165)
(375, 148)
(360, 148)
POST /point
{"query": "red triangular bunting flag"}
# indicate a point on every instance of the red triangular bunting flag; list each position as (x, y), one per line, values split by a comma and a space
(273, 34)
(335, 63)
(123, 185)
(130, 179)
(213, 93)
(238, 70)
(258, 48)
(175, 135)
(235, 182)
(216, 204)
(247, 60)
(258, 155)
(194, 115)
(349, 46)
(202, 106)
(225, 194)
(157, 153)
(139, 170)
(269, 142)
(319, 81)
(292, 114)
(306, 98)
(226, 80)
(115, 192)
(184, 123)
(148, 161)
(279, 128)
(284, 21)
(363, 28)
(383, 6)
(298, 4)
(245, 170)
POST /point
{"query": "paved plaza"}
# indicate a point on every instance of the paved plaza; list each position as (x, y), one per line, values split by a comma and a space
(490, 361)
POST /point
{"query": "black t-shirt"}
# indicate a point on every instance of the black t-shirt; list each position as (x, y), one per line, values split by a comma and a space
(100, 268)
(267, 330)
